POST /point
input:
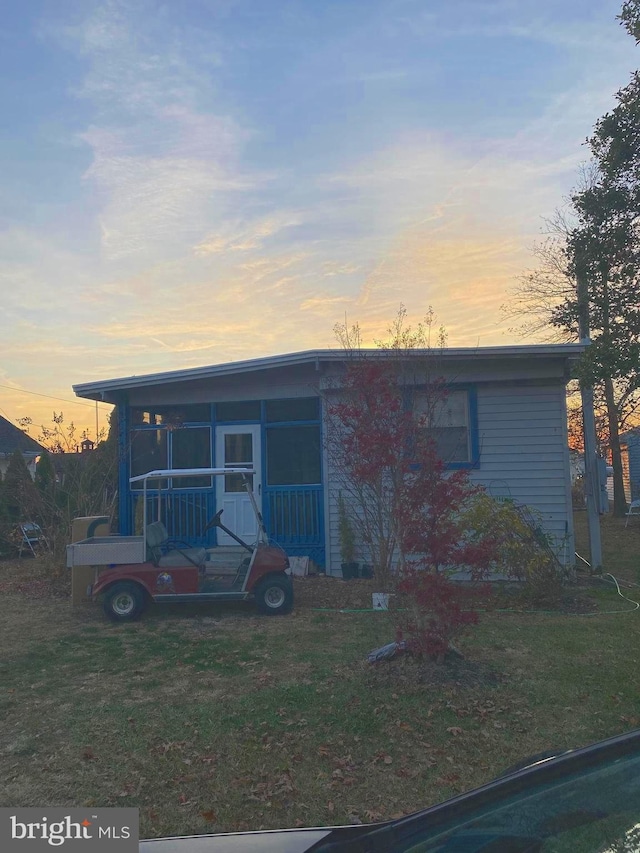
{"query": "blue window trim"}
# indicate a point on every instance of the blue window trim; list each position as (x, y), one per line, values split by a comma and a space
(474, 435)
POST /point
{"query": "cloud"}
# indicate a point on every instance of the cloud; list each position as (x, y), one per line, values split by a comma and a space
(165, 156)
(245, 236)
(154, 204)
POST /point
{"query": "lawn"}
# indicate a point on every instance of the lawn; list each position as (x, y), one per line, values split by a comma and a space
(212, 719)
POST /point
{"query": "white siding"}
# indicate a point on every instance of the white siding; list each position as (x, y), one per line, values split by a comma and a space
(523, 454)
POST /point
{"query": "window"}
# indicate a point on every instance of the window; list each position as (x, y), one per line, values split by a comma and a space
(148, 451)
(191, 448)
(171, 415)
(238, 453)
(305, 409)
(187, 447)
(293, 456)
(447, 423)
(249, 410)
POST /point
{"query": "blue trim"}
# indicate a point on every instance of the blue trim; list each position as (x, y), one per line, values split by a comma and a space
(311, 543)
(270, 424)
(302, 521)
(474, 433)
(124, 493)
(253, 422)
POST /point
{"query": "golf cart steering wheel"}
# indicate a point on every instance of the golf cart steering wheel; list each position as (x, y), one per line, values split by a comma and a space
(214, 521)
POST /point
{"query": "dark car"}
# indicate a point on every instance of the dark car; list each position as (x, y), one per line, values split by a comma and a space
(581, 800)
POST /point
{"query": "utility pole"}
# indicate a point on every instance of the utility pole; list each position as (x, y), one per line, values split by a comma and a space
(589, 429)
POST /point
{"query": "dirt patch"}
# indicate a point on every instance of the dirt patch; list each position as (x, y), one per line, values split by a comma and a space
(34, 578)
(455, 671)
(320, 591)
(579, 603)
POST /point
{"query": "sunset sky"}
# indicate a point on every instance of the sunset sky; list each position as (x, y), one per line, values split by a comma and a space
(196, 181)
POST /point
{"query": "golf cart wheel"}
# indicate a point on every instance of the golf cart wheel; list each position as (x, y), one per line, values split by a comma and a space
(274, 596)
(123, 602)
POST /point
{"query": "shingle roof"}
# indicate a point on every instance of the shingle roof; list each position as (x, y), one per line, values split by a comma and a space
(13, 438)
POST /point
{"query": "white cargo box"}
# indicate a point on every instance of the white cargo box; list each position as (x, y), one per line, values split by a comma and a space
(106, 551)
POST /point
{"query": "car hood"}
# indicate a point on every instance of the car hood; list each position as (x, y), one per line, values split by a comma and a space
(269, 841)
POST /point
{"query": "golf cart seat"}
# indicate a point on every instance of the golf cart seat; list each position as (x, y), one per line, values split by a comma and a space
(157, 537)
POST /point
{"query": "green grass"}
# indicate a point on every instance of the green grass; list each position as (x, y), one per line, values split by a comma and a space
(620, 545)
(213, 719)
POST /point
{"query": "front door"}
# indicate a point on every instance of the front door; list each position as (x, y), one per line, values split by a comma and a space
(237, 447)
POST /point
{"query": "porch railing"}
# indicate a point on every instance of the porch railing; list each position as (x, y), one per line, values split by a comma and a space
(185, 513)
(293, 516)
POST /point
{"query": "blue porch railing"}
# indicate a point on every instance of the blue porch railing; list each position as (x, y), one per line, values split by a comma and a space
(294, 518)
(185, 513)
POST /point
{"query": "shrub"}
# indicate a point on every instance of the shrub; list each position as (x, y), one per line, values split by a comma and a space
(522, 550)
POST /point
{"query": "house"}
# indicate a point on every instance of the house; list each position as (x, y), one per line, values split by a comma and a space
(630, 455)
(507, 418)
(12, 438)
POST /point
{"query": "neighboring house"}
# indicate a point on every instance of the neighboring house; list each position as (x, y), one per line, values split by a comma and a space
(630, 453)
(12, 438)
(506, 419)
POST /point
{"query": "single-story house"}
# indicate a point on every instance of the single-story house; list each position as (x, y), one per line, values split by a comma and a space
(508, 419)
(12, 438)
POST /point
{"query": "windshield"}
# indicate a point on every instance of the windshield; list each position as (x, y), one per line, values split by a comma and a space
(549, 809)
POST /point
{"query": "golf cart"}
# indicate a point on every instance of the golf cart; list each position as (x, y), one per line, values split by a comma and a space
(130, 571)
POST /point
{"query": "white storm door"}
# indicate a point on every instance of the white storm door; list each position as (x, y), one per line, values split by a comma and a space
(237, 447)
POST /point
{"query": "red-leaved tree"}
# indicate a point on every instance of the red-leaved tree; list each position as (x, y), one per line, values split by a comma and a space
(406, 506)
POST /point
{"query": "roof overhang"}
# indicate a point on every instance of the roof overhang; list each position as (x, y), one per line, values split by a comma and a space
(107, 390)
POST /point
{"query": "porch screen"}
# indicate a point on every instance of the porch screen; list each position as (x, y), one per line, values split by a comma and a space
(191, 448)
(148, 451)
(293, 456)
(447, 423)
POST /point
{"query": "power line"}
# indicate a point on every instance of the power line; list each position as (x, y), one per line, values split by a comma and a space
(49, 397)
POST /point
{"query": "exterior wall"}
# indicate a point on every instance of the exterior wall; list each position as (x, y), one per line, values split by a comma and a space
(523, 454)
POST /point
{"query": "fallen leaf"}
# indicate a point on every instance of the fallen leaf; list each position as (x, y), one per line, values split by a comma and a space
(373, 816)
(455, 730)
(87, 754)
(209, 816)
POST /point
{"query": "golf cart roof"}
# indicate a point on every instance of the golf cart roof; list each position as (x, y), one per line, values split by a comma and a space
(188, 472)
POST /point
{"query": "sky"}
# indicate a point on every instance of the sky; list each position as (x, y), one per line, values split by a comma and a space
(199, 181)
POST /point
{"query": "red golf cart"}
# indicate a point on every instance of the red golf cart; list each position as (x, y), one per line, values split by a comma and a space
(131, 571)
